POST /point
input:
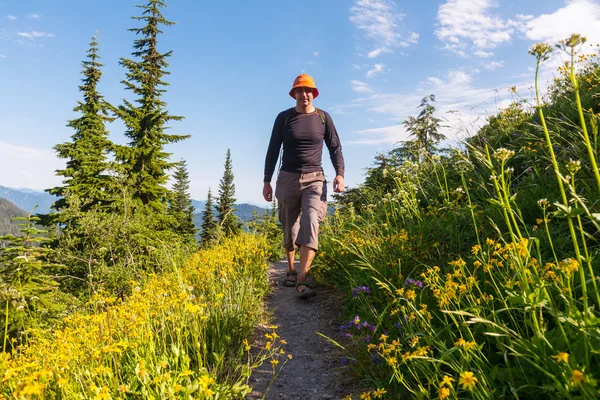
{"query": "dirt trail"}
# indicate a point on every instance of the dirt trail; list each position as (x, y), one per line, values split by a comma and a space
(314, 372)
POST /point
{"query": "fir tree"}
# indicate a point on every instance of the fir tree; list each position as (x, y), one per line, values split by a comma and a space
(209, 224)
(27, 290)
(85, 175)
(425, 127)
(181, 204)
(226, 203)
(145, 162)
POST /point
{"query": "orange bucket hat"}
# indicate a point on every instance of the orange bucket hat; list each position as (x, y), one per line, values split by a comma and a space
(304, 80)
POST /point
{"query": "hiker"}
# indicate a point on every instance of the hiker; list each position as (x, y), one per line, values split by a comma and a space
(301, 188)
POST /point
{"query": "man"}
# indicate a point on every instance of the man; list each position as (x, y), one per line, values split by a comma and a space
(301, 189)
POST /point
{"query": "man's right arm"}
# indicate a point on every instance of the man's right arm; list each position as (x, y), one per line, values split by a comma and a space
(274, 147)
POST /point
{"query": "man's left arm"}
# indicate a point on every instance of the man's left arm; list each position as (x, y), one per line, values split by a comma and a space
(332, 141)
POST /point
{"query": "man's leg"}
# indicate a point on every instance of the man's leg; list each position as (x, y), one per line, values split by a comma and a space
(307, 256)
(288, 199)
(314, 202)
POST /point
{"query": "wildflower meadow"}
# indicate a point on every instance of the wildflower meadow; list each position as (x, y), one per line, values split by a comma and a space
(473, 272)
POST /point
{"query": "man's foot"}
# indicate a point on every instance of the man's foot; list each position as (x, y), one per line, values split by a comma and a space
(290, 280)
(304, 292)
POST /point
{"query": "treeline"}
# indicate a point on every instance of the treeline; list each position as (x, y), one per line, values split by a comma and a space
(115, 219)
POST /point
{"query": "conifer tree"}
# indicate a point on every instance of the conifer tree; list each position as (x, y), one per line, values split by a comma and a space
(425, 127)
(228, 221)
(85, 175)
(209, 224)
(181, 204)
(145, 163)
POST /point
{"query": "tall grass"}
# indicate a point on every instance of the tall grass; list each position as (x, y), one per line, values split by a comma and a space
(182, 334)
(476, 275)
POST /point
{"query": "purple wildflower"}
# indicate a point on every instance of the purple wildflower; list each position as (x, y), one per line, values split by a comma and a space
(361, 289)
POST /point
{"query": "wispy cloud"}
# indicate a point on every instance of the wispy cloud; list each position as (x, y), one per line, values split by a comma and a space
(377, 68)
(379, 22)
(316, 53)
(34, 34)
(2, 56)
(468, 27)
(461, 104)
(11, 17)
(361, 87)
(33, 16)
(31, 167)
(492, 65)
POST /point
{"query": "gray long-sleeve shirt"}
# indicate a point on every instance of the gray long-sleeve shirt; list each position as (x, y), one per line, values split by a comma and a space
(302, 138)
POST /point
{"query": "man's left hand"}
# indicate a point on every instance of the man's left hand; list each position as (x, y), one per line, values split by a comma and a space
(338, 184)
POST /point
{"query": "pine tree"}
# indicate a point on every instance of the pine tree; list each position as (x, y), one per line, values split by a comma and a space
(181, 204)
(144, 161)
(425, 128)
(209, 225)
(85, 175)
(226, 203)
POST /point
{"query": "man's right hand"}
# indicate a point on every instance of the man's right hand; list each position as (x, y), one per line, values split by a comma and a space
(268, 192)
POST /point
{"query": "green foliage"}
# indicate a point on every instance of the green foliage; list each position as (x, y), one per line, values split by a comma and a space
(28, 290)
(228, 222)
(144, 161)
(106, 251)
(86, 173)
(181, 207)
(268, 226)
(481, 265)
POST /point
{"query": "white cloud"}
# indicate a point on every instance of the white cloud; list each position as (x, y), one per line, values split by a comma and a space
(316, 53)
(30, 167)
(462, 106)
(377, 52)
(33, 16)
(377, 68)
(356, 67)
(467, 26)
(35, 34)
(2, 56)
(11, 17)
(361, 87)
(492, 65)
(578, 16)
(483, 54)
(378, 20)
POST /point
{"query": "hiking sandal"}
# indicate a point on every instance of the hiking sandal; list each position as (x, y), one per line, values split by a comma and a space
(290, 282)
(305, 293)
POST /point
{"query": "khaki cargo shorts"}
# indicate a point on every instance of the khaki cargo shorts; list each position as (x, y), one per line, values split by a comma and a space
(302, 200)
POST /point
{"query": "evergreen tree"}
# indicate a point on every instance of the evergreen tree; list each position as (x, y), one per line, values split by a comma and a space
(425, 128)
(145, 162)
(27, 290)
(209, 224)
(85, 175)
(228, 221)
(181, 204)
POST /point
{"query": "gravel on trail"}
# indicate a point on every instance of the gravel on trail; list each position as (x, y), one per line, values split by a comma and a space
(315, 370)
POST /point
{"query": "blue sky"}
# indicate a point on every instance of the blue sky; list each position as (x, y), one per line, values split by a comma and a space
(235, 60)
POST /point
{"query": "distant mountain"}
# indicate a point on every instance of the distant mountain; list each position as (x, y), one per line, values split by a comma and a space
(244, 212)
(26, 199)
(8, 211)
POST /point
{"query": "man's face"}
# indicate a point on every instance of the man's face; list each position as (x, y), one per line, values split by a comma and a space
(304, 96)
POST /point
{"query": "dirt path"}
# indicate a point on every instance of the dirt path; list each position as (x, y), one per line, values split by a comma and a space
(314, 371)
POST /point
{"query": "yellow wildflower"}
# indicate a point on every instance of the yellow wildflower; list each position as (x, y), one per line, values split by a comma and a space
(379, 393)
(467, 380)
(365, 396)
(460, 343)
(577, 377)
(443, 393)
(562, 357)
(447, 381)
